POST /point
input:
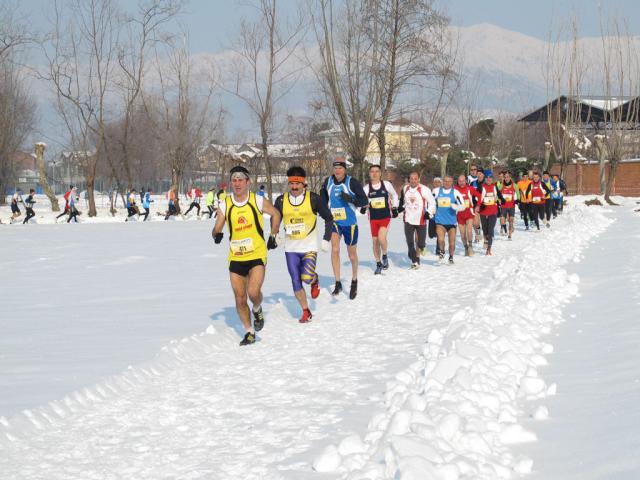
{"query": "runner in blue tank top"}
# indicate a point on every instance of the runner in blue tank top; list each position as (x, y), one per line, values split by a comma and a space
(343, 194)
(448, 202)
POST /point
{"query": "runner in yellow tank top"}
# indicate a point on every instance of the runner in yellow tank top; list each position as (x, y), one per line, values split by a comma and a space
(242, 212)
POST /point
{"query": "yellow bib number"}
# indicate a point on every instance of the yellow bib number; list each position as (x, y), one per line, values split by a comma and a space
(339, 213)
(242, 247)
(444, 202)
(295, 230)
(489, 200)
(378, 203)
(508, 197)
(536, 199)
(467, 203)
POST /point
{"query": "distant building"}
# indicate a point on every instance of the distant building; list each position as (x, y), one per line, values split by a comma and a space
(405, 141)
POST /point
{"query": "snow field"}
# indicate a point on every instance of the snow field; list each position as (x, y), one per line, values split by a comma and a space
(205, 408)
(455, 412)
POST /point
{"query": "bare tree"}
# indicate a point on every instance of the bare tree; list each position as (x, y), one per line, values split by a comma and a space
(141, 32)
(350, 47)
(620, 79)
(265, 72)
(565, 70)
(417, 52)
(17, 109)
(81, 57)
(181, 110)
(42, 174)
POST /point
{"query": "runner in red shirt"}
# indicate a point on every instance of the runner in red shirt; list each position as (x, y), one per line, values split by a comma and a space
(466, 217)
(488, 209)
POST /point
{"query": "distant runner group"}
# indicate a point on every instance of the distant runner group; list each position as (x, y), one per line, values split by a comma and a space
(472, 205)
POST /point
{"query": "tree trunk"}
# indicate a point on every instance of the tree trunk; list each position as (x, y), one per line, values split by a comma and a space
(176, 180)
(602, 175)
(3, 189)
(382, 146)
(267, 168)
(443, 164)
(611, 182)
(42, 173)
(92, 201)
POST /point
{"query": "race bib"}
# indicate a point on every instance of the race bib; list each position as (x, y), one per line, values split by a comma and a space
(295, 230)
(242, 247)
(536, 199)
(489, 201)
(339, 213)
(467, 203)
(508, 197)
(378, 203)
(444, 202)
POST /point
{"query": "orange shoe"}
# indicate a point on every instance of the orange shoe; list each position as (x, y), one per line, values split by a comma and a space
(306, 316)
(315, 289)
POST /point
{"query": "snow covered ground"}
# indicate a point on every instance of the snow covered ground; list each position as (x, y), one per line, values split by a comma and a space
(592, 430)
(356, 394)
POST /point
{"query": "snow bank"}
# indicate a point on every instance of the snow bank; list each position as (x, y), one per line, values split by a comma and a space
(177, 352)
(454, 413)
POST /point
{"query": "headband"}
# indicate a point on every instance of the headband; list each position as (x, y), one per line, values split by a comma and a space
(297, 179)
(340, 164)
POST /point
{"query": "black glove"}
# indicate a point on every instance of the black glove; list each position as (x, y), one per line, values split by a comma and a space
(427, 215)
(346, 197)
(218, 237)
(394, 212)
(400, 209)
(271, 243)
(363, 210)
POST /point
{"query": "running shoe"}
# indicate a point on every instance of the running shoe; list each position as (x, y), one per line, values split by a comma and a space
(450, 259)
(385, 262)
(379, 268)
(414, 266)
(353, 291)
(337, 289)
(258, 320)
(315, 289)
(306, 316)
(248, 339)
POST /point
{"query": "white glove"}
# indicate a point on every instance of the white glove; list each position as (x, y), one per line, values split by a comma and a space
(325, 245)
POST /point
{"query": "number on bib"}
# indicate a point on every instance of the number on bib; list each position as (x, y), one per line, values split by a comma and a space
(444, 202)
(377, 203)
(295, 230)
(467, 203)
(508, 197)
(489, 200)
(242, 247)
(339, 213)
(537, 199)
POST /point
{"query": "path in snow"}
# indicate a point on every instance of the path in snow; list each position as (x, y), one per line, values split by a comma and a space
(209, 409)
(592, 432)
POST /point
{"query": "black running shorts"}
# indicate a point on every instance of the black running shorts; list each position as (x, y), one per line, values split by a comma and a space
(243, 268)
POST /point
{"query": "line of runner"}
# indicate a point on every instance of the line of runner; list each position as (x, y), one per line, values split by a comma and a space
(474, 202)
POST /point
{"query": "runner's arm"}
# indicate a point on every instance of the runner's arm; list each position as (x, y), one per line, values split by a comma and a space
(360, 200)
(430, 201)
(393, 196)
(459, 205)
(276, 218)
(401, 201)
(220, 221)
(321, 208)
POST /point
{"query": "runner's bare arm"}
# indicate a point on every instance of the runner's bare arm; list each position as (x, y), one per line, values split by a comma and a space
(276, 218)
(220, 219)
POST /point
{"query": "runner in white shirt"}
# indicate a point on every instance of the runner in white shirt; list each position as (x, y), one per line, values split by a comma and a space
(418, 205)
